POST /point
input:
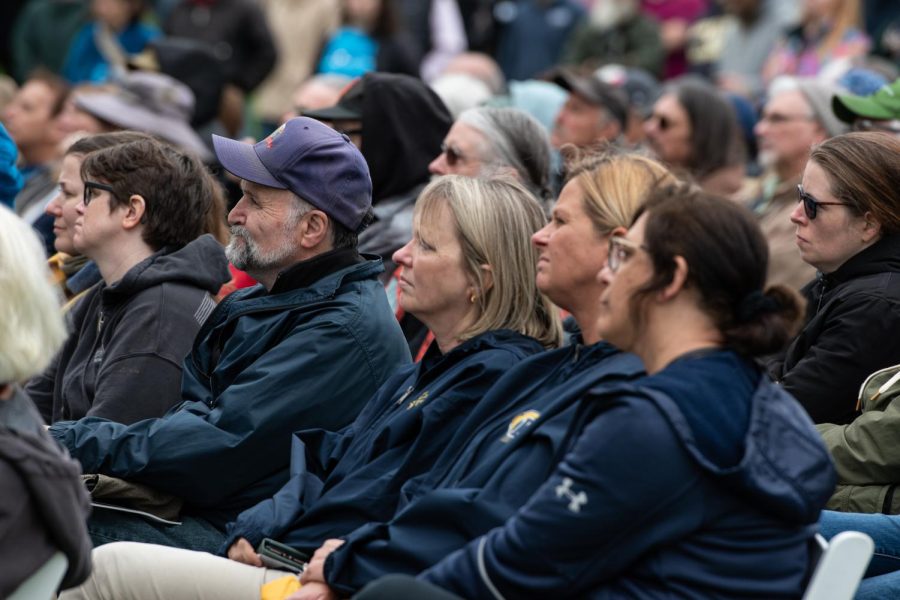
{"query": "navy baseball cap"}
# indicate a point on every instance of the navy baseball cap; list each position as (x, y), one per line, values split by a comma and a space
(310, 159)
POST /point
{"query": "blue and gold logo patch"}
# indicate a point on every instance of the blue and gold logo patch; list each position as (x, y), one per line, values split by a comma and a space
(520, 422)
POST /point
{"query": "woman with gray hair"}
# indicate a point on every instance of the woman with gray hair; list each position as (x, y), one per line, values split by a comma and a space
(486, 141)
(44, 505)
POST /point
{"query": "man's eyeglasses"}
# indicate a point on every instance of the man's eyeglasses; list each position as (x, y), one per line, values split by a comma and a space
(811, 205)
(453, 155)
(90, 186)
(621, 249)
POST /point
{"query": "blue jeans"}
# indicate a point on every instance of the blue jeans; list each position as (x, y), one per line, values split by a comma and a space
(107, 526)
(882, 578)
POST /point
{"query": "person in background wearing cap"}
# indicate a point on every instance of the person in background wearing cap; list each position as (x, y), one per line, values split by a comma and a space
(796, 117)
(878, 112)
(595, 112)
(32, 120)
(694, 130)
(398, 123)
(642, 90)
(304, 349)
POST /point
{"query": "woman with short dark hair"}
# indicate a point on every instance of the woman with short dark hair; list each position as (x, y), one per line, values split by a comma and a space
(140, 217)
(848, 221)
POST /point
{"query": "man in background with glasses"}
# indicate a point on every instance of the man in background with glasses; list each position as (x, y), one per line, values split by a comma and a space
(796, 116)
(878, 112)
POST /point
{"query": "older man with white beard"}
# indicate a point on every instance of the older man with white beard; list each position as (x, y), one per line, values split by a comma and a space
(796, 116)
(305, 349)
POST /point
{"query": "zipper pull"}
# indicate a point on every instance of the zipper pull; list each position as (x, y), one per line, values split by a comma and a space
(405, 394)
(100, 319)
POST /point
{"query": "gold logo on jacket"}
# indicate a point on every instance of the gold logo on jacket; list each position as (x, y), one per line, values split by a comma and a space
(418, 401)
(519, 423)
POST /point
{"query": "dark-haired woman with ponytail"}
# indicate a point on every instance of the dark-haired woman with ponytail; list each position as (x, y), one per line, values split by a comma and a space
(704, 479)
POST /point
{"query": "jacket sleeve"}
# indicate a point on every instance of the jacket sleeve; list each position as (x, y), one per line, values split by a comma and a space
(432, 525)
(866, 451)
(594, 517)
(271, 517)
(40, 388)
(826, 380)
(314, 377)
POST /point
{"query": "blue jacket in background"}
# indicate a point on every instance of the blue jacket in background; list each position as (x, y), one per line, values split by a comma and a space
(703, 481)
(11, 180)
(84, 61)
(341, 481)
(263, 366)
(505, 450)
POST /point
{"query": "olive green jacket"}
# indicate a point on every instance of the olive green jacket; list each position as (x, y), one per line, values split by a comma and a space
(866, 452)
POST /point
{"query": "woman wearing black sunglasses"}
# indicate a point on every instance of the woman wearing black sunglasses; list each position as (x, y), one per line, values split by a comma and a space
(848, 221)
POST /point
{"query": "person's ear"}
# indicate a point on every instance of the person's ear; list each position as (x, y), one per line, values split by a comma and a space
(871, 228)
(135, 211)
(314, 229)
(679, 279)
(487, 278)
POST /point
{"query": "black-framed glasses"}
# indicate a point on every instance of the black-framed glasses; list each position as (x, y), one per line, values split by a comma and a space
(89, 186)
(621, 249)
(453, 155)
(778, 118)
(811, 205)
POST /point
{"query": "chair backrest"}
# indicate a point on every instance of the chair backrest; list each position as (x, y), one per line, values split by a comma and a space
(841, 567)
(44, 582)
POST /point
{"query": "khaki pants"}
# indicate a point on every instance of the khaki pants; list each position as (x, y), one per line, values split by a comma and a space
(129, 570)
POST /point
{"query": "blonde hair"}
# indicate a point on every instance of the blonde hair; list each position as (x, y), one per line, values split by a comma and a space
(31, 324)
(495, 220)
(615, 185)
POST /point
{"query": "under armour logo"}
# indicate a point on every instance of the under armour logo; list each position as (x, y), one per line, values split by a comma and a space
(576, 501)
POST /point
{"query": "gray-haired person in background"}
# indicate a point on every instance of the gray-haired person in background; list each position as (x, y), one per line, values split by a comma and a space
(488, 141)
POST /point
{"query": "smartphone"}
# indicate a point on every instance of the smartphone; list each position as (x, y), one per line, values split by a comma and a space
(276, 555)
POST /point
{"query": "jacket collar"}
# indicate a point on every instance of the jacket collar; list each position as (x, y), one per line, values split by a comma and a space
(882, 256)
(307, 272)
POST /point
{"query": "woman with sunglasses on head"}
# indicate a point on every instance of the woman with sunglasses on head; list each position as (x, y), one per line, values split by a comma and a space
(140, 218)
(704, 479)
(848, 221)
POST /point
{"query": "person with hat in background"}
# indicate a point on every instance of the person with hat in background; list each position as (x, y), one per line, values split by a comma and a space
(877, 112)
(796, 116)
(153, 103)
(305, 349)
(642, 90)
(594, 113)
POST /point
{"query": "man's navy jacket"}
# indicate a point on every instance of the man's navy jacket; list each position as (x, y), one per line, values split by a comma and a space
(263, 366)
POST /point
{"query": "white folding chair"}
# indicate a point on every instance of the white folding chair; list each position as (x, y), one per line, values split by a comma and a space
(44, 582)
(841, 566)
